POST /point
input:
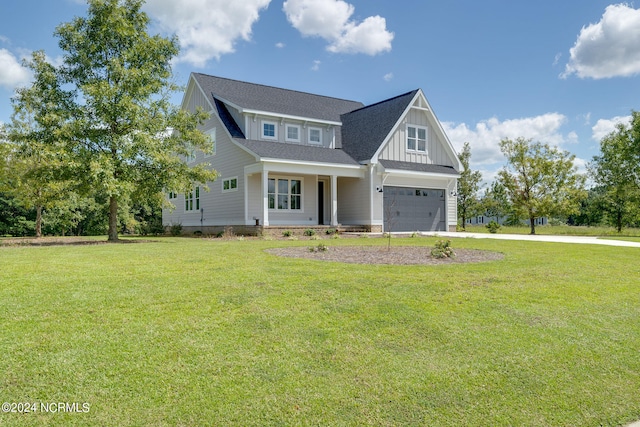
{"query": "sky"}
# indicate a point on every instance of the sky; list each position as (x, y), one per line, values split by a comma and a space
(559, 72)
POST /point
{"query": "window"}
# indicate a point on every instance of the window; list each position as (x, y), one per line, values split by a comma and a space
(212, 138)
(315, 136)
(269, 130)
(285, 194)
(293, 133)
(172, 195)
(192, 200)
(191, 155)
(416, 138)
(230, 184)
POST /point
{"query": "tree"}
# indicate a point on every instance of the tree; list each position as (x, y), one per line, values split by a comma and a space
(123, 136)
(37, 160)
(495, 201)
(468, 186)
(540, 180)
(617, 171)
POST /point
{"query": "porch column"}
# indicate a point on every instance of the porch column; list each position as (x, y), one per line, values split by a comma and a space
(265, 198)
(334, 200)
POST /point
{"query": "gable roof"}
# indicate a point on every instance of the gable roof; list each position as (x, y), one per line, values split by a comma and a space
(256, 98)
(364, 130)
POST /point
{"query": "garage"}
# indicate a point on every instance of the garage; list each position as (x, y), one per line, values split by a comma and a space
(414, 209)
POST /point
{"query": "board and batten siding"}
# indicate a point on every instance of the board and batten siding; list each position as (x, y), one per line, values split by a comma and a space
(396, 148)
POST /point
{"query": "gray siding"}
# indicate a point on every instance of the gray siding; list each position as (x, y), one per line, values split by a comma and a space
(396, 148)
(354, 201)
(254, 130)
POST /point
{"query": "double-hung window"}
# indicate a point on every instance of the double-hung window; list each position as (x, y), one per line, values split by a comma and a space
(417, 138)
(212, 141)
(292, 133)
(192, 200)
(315, 135)
(269, 130)
(285, 194)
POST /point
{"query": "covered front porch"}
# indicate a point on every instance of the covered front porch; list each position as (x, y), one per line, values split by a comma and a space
(300, 194)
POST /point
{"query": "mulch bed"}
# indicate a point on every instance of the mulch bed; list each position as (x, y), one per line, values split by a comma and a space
(397, 255)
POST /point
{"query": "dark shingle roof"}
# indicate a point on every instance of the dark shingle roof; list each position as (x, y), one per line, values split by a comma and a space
(228, 120)
(281, 150)
(418, 167)
(258, 97)
(364, 130)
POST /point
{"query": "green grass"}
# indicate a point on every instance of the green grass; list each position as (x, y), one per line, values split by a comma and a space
(211, 332)
(559, 230)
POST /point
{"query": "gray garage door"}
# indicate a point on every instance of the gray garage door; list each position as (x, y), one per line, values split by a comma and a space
(414, 209)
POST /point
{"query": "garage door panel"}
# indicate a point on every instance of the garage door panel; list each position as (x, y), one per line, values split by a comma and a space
(414, 209)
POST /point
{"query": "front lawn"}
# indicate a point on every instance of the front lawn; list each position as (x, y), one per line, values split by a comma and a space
(212, 332)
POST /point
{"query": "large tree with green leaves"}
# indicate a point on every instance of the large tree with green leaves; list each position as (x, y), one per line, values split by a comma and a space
(468, 186)
(540, 180)
(124, 137)
(36, 177)
(616, 170)
(495, 201)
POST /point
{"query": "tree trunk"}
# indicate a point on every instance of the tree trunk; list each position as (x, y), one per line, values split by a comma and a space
(38, 221)
(532, 223)
(113, 219)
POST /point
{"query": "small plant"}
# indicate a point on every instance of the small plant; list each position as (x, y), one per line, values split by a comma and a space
(320, 248)
(335, 236)
(493, 227)
(309, 232)
(415, 234)
(287, 233)
(330, 231)
(443, 249)
(175, 229)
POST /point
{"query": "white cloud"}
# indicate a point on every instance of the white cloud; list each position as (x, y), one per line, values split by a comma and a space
(388, 77)
(330, 19)
(604, 127)
(206, 29)
(485, 136)
(608, 48)
(12, 73)
(280, 45)
(316, 65)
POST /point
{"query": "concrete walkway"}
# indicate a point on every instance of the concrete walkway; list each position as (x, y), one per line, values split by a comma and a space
(585, 240)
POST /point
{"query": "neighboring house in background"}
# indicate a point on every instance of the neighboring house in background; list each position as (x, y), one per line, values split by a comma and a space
(288, 158)
(484, 219)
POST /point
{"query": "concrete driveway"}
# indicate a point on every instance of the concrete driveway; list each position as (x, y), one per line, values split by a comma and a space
(535, 238)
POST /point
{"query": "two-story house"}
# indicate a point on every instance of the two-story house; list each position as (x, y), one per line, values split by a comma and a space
(288, 158)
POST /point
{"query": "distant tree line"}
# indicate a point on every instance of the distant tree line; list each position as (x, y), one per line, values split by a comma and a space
(542, 181)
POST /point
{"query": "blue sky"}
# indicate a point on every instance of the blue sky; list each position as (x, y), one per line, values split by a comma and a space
(558, 72)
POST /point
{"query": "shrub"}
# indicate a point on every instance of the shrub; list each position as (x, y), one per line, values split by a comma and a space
(320, 248)
(443, 249)
(309, 232)
(287, 233)
(175, 229)
(493, 227)
(332, 231)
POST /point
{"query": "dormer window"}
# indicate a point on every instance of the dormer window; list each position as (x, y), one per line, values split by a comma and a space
(315, 135)
(269, 130)
(292, 133)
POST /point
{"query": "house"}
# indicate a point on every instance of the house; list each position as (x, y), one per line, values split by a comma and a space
(288, 158)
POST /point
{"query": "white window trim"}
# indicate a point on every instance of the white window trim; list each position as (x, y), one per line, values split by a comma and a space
(426, 140)
(288, 178)
(212, 133)
(275, 127)
(229, 190)
(194, 198)
(286, 132)
(309, 135)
